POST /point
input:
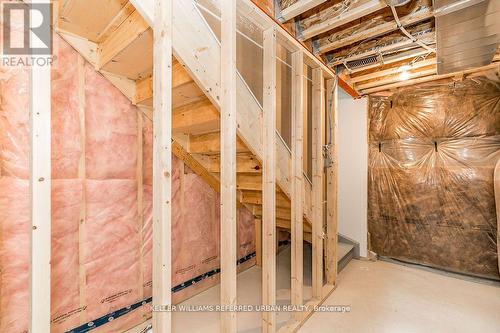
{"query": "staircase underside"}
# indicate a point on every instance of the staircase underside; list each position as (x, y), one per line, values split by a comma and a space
(114, 38)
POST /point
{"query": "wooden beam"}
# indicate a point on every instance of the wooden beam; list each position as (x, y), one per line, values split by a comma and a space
(492, 66)
(143, 90)
(162, 165)
(258, 242)
(318, 134)
(331, 186)
(297, 192)
(82, 174)
(146, 9)
(196, 166)
(298, 8)
(255, 198)
(245, 163)
(122, 37)
(40, 194)
(119, 18)
(269, 181)
(249, 182)
(197, 117)
(363, 9)
(140, 196)
(210, 143)
(285, 223)
(144, 87)
(295, 325)
(393, 70)
(397, 78)
(375, 31)
(279, 212)
(228, 165)
(391, 59)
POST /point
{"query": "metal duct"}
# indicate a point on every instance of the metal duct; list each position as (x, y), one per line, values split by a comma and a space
(467, 33)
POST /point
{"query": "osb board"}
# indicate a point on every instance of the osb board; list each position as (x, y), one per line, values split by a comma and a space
(88, 18)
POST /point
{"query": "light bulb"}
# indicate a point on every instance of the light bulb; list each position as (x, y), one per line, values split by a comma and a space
(404, 76)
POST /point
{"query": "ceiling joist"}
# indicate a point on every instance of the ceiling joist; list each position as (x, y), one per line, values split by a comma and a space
(394, 70)
(298, 8)
(336, 41)
(338, 15)
(490, 67)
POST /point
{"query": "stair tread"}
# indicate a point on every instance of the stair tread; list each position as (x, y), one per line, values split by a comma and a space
(343, 250)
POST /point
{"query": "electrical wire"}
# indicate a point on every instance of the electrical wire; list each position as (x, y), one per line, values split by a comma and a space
(406, 33)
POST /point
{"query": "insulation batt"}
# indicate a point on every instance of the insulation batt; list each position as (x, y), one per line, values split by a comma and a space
(432, 152)
(101, 243)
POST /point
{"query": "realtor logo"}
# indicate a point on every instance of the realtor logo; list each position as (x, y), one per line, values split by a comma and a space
(25, 36)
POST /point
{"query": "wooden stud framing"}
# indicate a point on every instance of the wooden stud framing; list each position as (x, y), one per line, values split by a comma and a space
(331, 181)
(228, 164)
(81, 176)
(140, 196)
(40, 196)
(162, 164)
(318, 125)
(269, 181)
(258, 242)
(297, 175)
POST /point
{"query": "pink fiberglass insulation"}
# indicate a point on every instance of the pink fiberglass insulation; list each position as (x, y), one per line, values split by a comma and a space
(195, 220)
(112, 246)
(14, 254)
(14, 198)
(67, 190)
(65, 281)
(66, 131)
(14, 122)
(147, 241)
(101, 248)
(246, 239)
(198, 250)
(111, 124)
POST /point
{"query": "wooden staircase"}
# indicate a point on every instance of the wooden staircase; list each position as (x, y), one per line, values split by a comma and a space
(118, 42)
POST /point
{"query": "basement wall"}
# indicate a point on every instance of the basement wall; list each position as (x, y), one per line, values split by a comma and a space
(101, 203)
(432, 153)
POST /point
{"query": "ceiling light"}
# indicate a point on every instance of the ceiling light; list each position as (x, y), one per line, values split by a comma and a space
(404, 68)
(404, 75)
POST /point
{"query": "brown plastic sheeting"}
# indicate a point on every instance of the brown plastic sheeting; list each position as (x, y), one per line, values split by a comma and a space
(432, 152)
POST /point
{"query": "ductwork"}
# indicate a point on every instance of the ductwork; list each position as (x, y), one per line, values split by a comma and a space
(467, 33)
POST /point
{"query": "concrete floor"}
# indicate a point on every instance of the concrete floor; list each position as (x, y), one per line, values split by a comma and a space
(249, 292)
(384, 298)
(387, 297)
